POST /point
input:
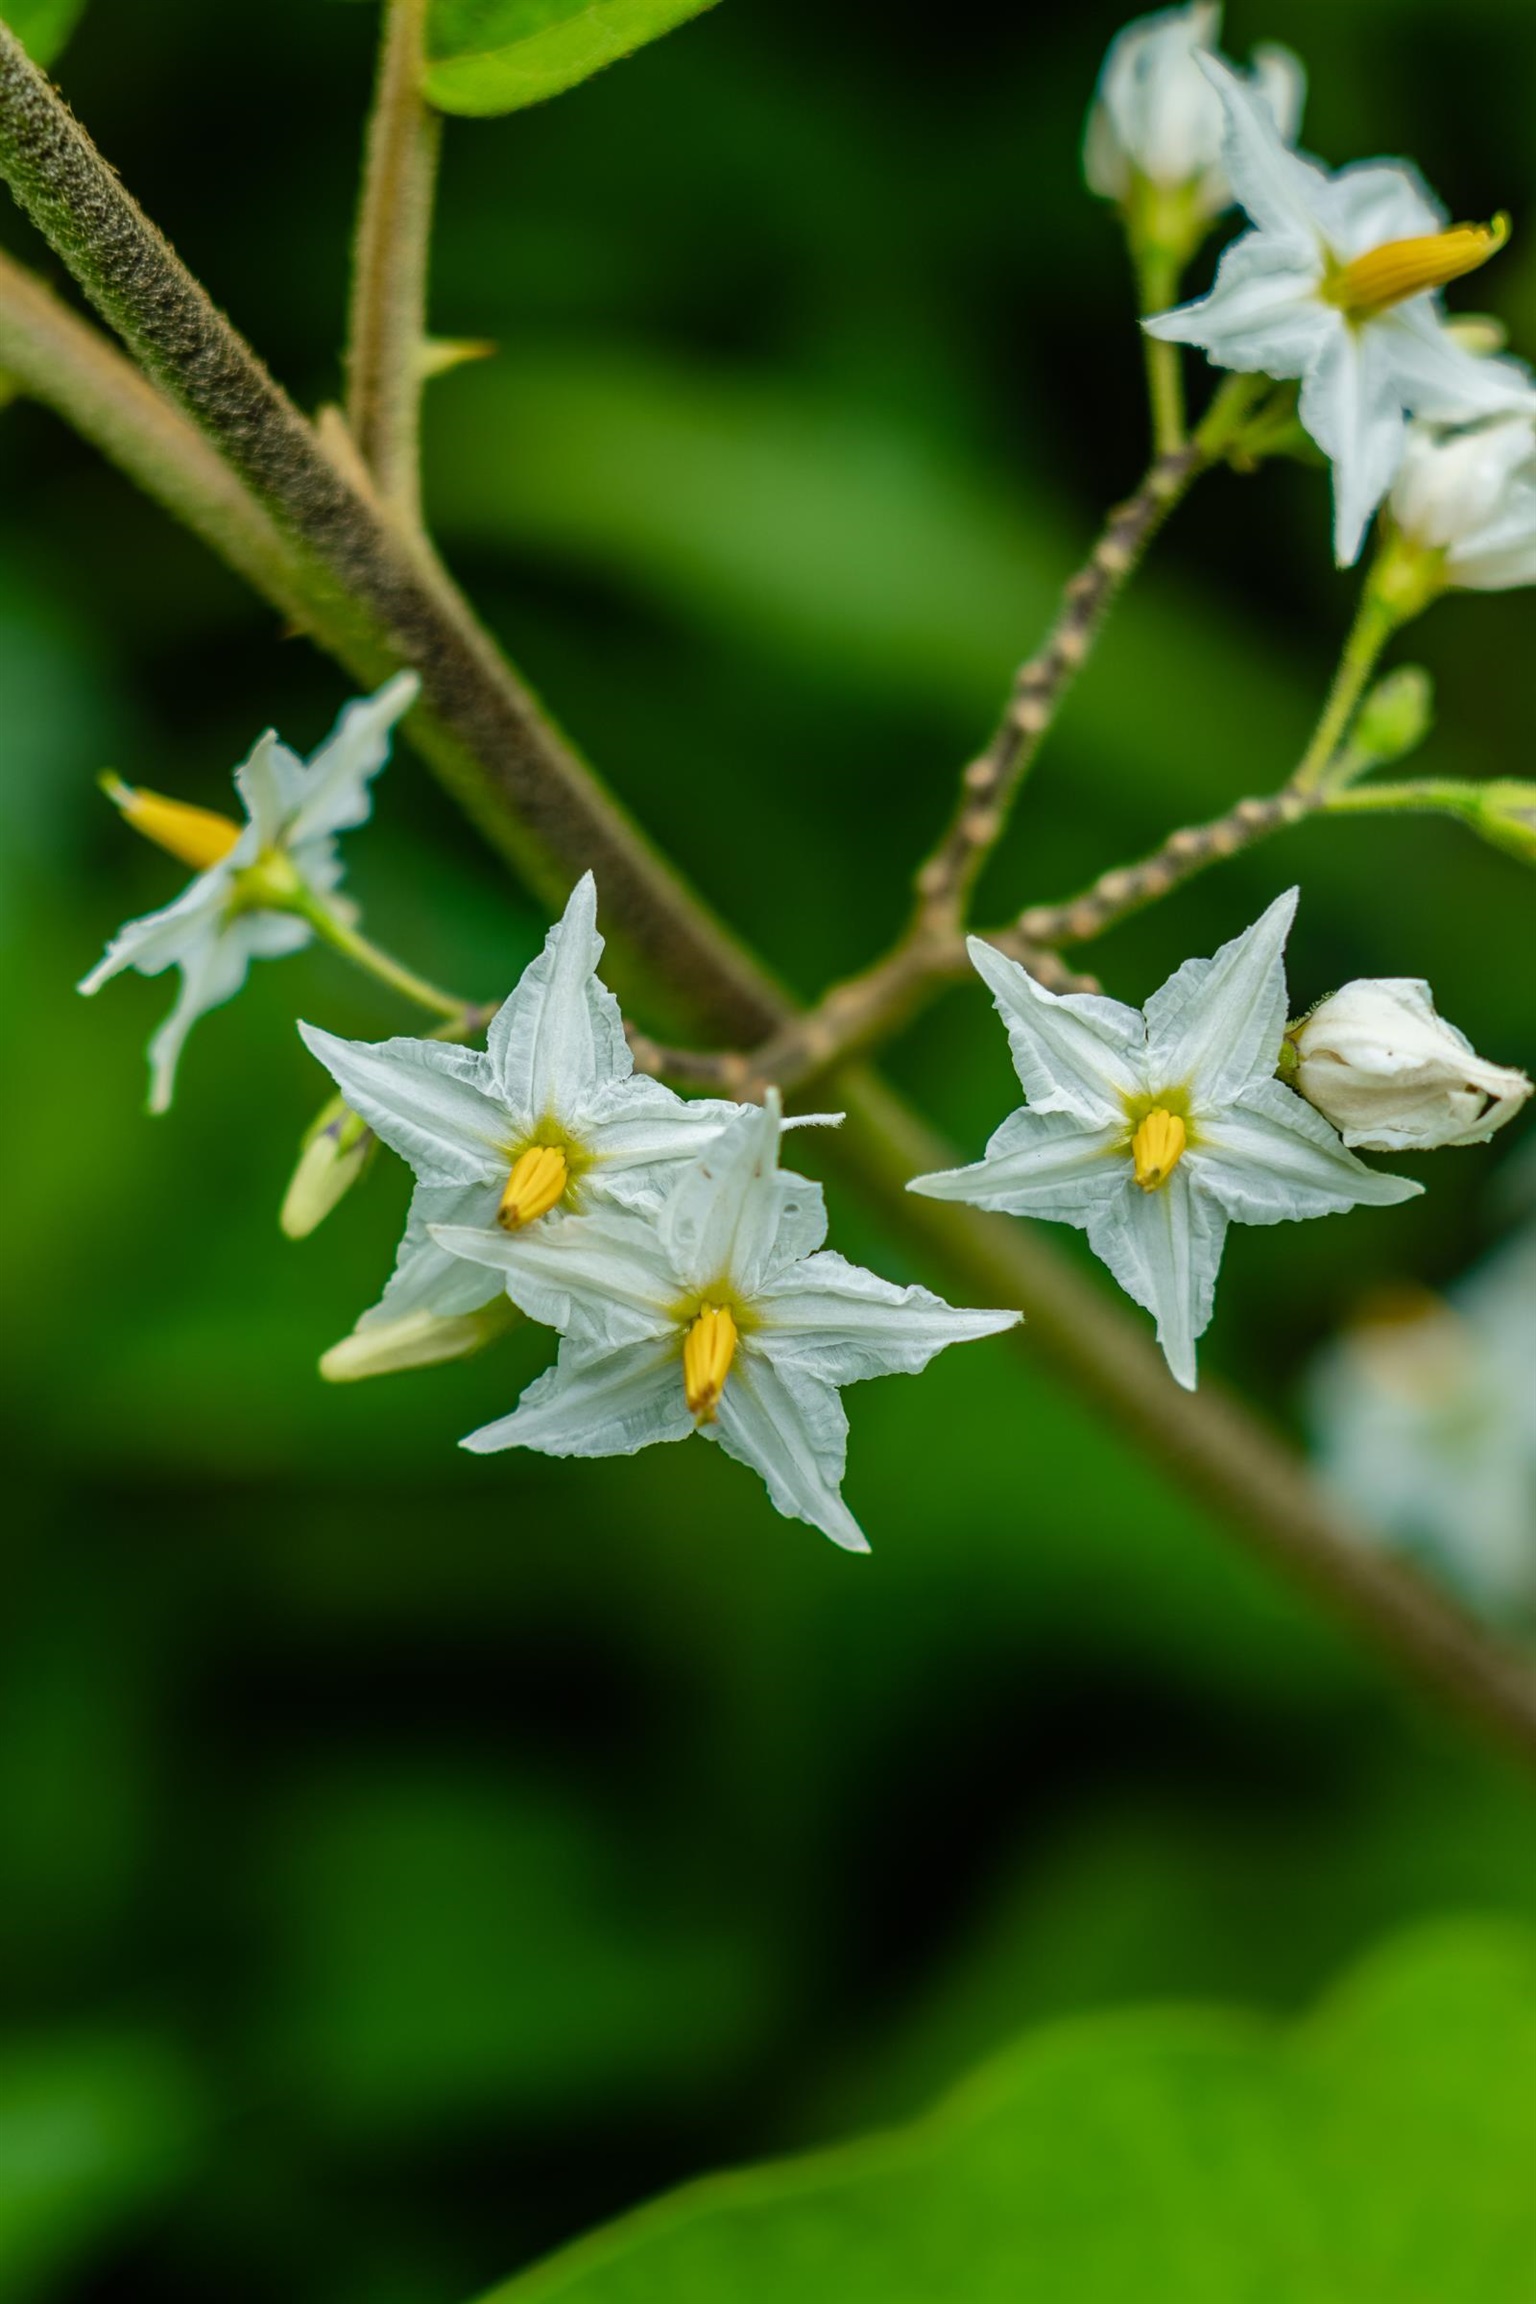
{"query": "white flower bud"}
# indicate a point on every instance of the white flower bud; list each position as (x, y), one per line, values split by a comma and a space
(335, 1151)
(386, 1347)
(1393, 1076)
(1470, 495)
(1157, 118)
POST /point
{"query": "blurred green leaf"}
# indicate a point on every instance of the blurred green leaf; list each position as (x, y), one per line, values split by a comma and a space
(43, 26)
(92, 2132)
(1380, 2151)
(498, 55)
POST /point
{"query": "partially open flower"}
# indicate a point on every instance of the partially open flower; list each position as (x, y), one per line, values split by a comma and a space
(1393, 1076)
(1156, 124)
(1470, 495)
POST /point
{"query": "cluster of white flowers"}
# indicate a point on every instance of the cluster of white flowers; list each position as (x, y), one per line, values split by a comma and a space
(1337, 286)
(681, 1266)
(1424, 1419)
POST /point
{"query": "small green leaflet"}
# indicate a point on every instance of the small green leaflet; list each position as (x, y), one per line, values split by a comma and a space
(1378, 2152)
(43, 26)
(488, 56)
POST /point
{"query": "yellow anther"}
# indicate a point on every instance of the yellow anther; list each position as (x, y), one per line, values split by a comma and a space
(199, 836)
(1157, 1148)
(1387, 275)
(707, 1357)
(538, 1179)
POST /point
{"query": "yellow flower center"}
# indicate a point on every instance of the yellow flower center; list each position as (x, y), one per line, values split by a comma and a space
(538, 1179)
(1157, 1147)
(199, 836)
(707, 1355)
(1387, 275)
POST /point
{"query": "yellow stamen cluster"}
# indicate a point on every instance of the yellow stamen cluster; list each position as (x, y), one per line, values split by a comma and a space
(198, 836)
(538, 1179)
(1157, 1148)
(707, 1355)
(1399, 269)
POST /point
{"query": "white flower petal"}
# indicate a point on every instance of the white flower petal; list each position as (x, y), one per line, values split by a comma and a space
(1045, 1164)
(1164, 1248)
(560, 1037)
(790, 1428)
(733, 1215)
(162, 939)
(333, 794)
(1275, 186)
(603, 1277)
(269, 781)
(1373, 201)
(1352, 405)
(427, 1100)
(840, 1322)
(210, 975)
(596, 1404)
(1218, 1024)
(633, 1127)
(1439, 378)
(1271, 1159)
(1073, 1052)
(1262, 316)
(427, 1277)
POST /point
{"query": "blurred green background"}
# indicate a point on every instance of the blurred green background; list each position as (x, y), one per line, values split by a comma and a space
(409, 1859)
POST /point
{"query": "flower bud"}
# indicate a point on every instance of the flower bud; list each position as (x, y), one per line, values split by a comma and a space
(1395, 718)
(385, 1347)
(335, 1151)
(1506, 815)
(1391, 1075)
(1469, 495)
(1156, 124)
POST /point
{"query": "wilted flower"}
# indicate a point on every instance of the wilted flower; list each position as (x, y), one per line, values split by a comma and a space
(719, 1314)
(253, 879)
(1336, 285)
(1424, 1418)
(1469, 496)
(549, 1115)
(1153, 1132)
(1157, 122)
(1391, 1074)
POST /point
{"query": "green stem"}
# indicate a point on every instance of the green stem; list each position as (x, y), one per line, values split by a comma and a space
(1158, 283)
(391, 259)
(1430, 796)
(368, 956)
(1375, 623)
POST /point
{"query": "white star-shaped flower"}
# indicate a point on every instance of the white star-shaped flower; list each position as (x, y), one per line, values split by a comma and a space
(1469, 495)
(550, 1115)
(1153, 1132)
(1336, 285)
(717, 1313)
(236, 910)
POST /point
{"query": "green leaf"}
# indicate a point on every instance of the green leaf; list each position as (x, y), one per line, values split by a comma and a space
(488, 56)
(43, 26)
(1380, 2151)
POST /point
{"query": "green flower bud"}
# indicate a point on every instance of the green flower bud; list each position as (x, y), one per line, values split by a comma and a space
(1395, 717)
(1506, 815)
